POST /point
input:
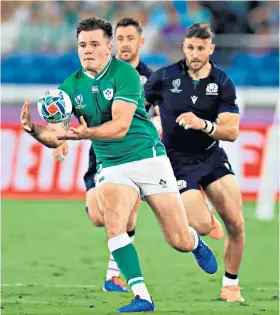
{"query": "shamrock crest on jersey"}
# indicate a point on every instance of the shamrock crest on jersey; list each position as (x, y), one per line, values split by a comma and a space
(108, 94)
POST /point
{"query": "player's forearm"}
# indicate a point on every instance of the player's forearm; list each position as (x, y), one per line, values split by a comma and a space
(114, 129)
(225, 132)
(46, 135)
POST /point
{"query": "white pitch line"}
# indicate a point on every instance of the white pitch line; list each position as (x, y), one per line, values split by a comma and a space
(49, 285)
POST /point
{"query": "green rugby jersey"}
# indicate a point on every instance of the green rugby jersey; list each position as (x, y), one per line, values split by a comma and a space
(92, 98)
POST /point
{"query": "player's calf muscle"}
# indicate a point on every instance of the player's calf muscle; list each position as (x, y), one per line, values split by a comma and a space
(116, 209)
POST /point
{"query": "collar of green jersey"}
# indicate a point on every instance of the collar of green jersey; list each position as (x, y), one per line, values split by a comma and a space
(102, 72)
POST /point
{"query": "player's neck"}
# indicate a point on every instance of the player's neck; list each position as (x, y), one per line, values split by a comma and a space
(99, 69)
(202, 73)
(135, 62)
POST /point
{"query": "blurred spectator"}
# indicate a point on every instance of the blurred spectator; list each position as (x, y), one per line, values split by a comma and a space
(265, 16)
(194, 13)
(172, 33)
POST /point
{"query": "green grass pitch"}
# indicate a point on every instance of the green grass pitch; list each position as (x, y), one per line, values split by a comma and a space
(54, 263)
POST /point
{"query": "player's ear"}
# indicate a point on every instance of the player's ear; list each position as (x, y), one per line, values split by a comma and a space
(184, 47)
(212, 48)
(110, 48)
(142, 41)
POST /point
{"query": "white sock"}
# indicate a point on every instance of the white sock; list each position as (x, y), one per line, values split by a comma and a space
(193, 231)
(141, 290)
(229, 282)
(132, 238)
(113, 269)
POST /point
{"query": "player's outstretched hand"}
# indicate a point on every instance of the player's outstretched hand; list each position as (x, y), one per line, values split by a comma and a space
(60, 152)
(190, 121)
(76, 133)
(25, 116)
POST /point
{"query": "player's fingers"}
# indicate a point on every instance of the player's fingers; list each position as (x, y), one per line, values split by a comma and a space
(82, 121)
(184, 115)
(182, 122)
(65, 149)
(74, 130)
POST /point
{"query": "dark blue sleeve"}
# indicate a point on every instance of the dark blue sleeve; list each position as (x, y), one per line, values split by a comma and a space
(152, 87)
(228, 98)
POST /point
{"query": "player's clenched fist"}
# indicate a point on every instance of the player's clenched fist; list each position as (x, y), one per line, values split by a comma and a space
(60, 152)
(190, 121)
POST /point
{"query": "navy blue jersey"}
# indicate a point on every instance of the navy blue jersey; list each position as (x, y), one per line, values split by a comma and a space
(176, 93)
(144, 72)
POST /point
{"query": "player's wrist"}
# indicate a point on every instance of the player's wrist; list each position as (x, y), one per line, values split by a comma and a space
(30, 129)
(209, 127)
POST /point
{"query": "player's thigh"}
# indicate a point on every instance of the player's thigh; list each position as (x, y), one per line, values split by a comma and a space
(92, 208)
(133, 217)
(170, 213)
(225, 196)
(116, 202)
(197, 211)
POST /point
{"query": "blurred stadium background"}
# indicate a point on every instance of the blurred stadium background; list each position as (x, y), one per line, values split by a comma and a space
(38, 48)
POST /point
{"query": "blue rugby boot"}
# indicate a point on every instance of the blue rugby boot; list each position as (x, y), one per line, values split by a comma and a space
(138, 305)
(205, 257)
(115, 284)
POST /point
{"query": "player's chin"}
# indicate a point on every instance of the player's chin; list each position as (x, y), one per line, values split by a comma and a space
(196, 66)
(126, 56)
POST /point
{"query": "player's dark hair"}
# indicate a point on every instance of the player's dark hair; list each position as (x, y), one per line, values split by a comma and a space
(95, 23)
(127, 21)
(200, 30)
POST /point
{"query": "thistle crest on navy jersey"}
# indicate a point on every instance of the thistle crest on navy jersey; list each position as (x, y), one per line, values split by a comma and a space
(212, 89)
(143, 79)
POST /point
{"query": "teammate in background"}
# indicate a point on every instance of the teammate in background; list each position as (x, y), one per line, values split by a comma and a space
(198, 108)
(130, 154)
(129, 40)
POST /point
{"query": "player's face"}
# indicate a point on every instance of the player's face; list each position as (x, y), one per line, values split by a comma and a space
(197, 52)
(128, 43)
(93, 49)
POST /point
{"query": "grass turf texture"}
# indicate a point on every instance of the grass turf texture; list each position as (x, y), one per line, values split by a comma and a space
(54, 262)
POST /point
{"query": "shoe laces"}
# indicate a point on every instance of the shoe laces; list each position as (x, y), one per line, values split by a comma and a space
(203, 249)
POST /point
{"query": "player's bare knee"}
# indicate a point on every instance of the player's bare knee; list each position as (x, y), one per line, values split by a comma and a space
(180, 243)
(202, 227)
(236, 228)
(97, 221)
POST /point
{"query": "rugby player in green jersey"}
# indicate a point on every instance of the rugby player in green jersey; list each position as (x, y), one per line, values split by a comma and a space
(130, 155)
(128, 41)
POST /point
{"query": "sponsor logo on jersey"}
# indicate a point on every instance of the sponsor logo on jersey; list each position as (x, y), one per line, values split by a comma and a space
(176, 83)
(143, 79)
(94, 89)
(194, 98)
(163, 183)
(79, 100)
(212, 89)
(181, 184)
(108, 94)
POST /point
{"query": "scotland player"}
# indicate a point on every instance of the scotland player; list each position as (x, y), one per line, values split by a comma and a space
(198, 108)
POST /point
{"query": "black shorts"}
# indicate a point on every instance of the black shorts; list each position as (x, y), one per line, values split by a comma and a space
(202, 170)
(90, 175)
(89, 178)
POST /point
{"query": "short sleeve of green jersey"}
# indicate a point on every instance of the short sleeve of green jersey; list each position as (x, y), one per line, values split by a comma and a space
(128, 86)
